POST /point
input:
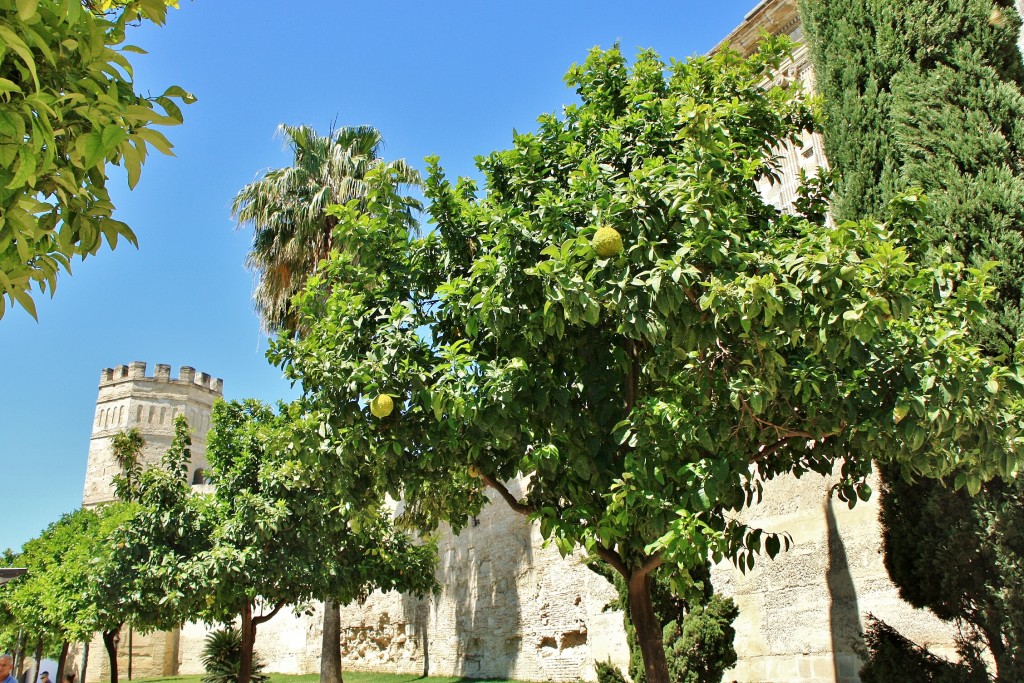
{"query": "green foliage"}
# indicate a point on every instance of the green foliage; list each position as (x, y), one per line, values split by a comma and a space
(698, 634)
(276, 534)
(933, 96)
(701, 649)
(288, 209)
(54, 599)
(127, 447)
(222, 657)
(919, 96)
(68, 107)
(142, 572)
(962, 557)
(891, 657)
(644, 396)
(608, 673)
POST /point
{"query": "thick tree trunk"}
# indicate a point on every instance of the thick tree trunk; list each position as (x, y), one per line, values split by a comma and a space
(330, 652)
(648, 630)
(110, 642)
(60, 662)
(248, 645)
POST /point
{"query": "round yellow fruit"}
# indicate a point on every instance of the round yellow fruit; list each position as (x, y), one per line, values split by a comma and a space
(474, 471)
(382, 406)
(607, 242)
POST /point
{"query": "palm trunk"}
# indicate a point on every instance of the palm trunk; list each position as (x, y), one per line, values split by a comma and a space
(330, 652)
(248, 645)
(110, 643)
(648, 630)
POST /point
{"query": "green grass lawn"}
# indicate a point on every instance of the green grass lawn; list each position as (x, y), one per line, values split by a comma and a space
(349, 676)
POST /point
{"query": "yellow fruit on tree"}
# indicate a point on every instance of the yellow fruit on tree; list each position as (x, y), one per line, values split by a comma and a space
(607, 242)
(382, 406)
(474, 471)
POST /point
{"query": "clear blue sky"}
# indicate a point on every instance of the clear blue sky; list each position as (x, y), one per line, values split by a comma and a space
(446, 78)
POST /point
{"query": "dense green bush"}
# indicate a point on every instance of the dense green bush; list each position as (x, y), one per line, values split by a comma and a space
(891, 657)
(222, 656)
(698, 651)
(609, 673)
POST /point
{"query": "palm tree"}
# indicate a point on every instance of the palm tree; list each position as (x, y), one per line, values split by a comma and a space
(287, 210)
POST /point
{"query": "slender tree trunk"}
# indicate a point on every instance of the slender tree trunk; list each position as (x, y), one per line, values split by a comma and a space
(648, 630)
(330, 652)
(131, 646)
(248, 644)
(39, 659)
(85, 663)
(60, 662)
(110, 643)
(19, 656)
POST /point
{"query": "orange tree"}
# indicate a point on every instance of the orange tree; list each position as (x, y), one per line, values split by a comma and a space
(68, 107)
(623, 321)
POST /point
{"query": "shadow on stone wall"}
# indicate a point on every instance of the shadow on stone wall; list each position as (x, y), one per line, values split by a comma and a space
(843, 610)
(474, 628)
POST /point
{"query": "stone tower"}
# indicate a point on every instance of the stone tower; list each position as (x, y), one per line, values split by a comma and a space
(129, 398)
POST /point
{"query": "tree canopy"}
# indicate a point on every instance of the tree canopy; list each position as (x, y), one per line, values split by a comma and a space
(645, 390)
(279, 536)
(68, 107)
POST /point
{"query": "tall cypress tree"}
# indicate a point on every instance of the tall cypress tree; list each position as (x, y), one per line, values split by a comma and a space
(925, 94)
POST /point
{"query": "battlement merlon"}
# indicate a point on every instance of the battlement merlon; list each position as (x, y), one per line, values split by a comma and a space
(136, 371)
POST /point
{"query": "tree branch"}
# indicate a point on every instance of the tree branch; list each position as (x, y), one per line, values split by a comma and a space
(263, 618)
(790, 435)
(614, 559)
(652, 563)
(506, 495)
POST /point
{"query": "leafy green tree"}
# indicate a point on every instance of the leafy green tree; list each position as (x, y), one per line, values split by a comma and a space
(287, 209)
(277, 538)
(292, 234)
(141, 573)
(622, 320)
(962, 557)
(933, 96)
(68, 107)
(53, 600)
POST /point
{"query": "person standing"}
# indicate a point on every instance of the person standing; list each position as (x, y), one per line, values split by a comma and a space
(6, 667)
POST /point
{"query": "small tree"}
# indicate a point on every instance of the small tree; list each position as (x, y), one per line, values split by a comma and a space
(622, 320)
(141, 573)
(53, 601)
(279, 537)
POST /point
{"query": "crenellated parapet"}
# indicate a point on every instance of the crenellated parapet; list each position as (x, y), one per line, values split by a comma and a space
(136, 370)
